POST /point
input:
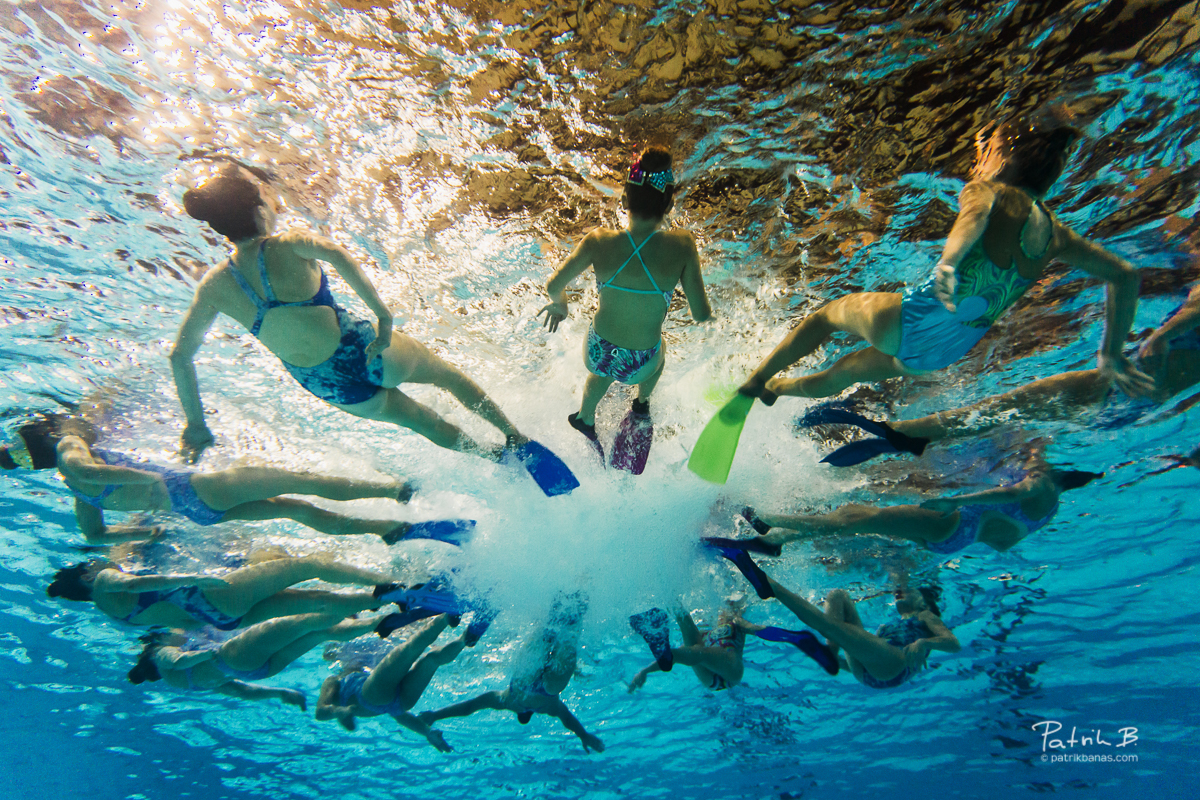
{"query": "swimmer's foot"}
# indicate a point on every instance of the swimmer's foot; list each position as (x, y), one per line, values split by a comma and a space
(754, 544)
(631, 448)
(654, 627)
(589, 433)
(752, 572)
(405, 491)
(760, 527)
(806, 642)
(478, 625)
(758, 389)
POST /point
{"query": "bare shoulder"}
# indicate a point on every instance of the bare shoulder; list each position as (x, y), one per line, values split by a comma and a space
(979, 194)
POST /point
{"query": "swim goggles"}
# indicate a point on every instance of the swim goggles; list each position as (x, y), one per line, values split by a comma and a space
(657, 180)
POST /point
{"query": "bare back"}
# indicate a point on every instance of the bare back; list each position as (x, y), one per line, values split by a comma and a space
(633, 319)
(303, 335)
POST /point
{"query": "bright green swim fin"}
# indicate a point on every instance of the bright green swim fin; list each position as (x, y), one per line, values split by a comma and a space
(713, 454)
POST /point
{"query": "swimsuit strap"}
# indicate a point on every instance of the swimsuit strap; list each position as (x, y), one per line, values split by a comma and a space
(263, 304)
(637, 251)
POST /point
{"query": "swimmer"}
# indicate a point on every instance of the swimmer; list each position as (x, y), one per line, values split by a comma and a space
(274, 287)
(104, 480)
(545, 667)
(888, 658)
(211, 660)
(394, 685)
(1170, 354)
(636, 273)
(714, 654)
(998, 518)
(1000, 245)
(239, 598)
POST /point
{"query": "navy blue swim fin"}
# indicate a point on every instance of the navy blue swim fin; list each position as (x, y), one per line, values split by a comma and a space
(889, 441)
(806, 642)
(745, 564)
(654, 627)
(548, 471)
(450, 531)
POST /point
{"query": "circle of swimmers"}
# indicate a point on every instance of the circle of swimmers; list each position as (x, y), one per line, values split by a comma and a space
(224, 633)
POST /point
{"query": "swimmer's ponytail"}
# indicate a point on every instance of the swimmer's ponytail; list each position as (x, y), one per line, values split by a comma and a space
(1075, 478)
(145, 669)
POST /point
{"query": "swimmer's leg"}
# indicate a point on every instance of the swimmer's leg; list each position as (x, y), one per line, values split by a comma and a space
(381, 687)
(881, 659)
(594, 389)
(903, 522)
(319, 519)
(311, 601)
(252, 584)
(227, 488)
(875, 316)
(395, 407)
(418, 678)
(265, 641)
(861, 366)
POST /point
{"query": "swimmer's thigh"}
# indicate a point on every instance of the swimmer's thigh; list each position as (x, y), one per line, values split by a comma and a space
(875, 316)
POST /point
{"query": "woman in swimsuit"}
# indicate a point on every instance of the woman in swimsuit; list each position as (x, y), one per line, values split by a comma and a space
(998, 518)
(394, 685)
(104, 480)
(545, 666)
(239, 598)
(210, 660)
(636, 274)
(714, 654)
(883, 660)
(1001, 243)
(274, 287)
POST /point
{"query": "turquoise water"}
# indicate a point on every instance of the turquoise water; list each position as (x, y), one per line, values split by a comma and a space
(459, 150)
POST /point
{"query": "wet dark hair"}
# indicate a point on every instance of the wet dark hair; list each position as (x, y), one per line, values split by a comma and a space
(523, 717)
(68, 583)
(227, 202)
(1034, 154)
(42, 434)
(645, 201)
(932, 595)
(1074, 478)
(145, 669)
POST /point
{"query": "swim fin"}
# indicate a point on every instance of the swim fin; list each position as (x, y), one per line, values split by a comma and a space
(654, 627)
(753, 544)
(450, 531)
(589, 433)
(395, 621)
(890, 441)
(806, 642)
(745, 564)
(857, 452)
(432, 596)
(714, 451)
(631, 448)
(479, 624)
(548, 471)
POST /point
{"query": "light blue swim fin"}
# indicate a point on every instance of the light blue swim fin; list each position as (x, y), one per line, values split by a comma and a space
(548, 471)
(714, 451)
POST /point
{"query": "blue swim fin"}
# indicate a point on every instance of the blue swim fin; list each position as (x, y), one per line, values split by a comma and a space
(548, 471)
(857, 452)
(450, 531)
(806, 642)
(654, 627)
(890, 440)
(753, 544)
(751, 571)
(432, 596)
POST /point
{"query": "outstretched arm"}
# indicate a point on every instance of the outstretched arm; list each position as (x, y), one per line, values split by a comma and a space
(487, 700)
(580, 259)
(113, 580)
(693, 285)
(1120, 306)
(196, 322)
(975, 207)
(96, 531)
(572, 724)
(1154, 350)
(306, 245)
(254, 691)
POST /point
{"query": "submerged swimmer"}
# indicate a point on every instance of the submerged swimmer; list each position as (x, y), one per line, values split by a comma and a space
(636, 273)
(545, 666)
(998, 518)
(274, 286)
(104, 480)
(888, 658)
(1000, 245)
(394, 685)
(210, 660)
(239, 598)
(714, 654)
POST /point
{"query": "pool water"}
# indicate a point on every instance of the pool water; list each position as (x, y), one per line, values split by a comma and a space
(459, 150)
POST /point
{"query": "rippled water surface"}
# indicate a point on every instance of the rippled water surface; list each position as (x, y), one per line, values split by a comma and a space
(459, 150)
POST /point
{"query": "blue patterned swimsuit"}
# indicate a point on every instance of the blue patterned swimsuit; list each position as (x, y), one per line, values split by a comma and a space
(178, 480)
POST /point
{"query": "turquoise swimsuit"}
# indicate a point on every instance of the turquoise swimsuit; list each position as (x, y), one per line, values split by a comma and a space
(606, 359)
(933, 338)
